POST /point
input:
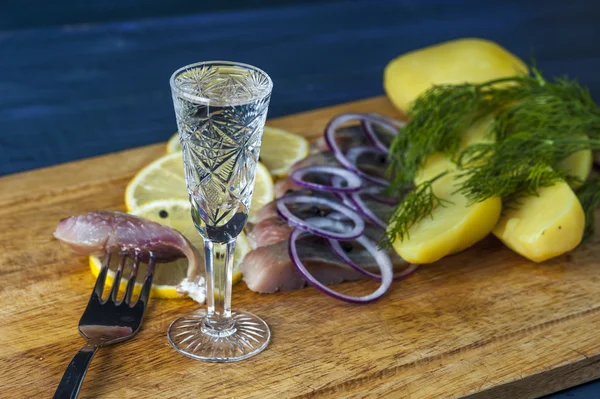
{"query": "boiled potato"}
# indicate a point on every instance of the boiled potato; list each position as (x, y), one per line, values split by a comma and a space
(579, 165)
(544, 226)
(453, 62)
(438, 163)
(539, 227)
(455, 226)
(451, 228)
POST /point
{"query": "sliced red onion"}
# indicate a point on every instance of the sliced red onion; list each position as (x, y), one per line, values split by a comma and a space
(374, 192)
(366, 212)
(332, 127)
(346, 201)
(345, 180)
(406, 272)
(338, 153)
(336, 181)
(392, 121)
(333, 229)
(382, 260)
(337, 216)
(352, 157)
(387, 123)
(371, 247)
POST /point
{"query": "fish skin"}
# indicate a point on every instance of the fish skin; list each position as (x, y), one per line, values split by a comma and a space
(102, 232)
(269, 269)
(323, 158)
(269, 231)
(283, 187)
(270, 228)
(346, 137)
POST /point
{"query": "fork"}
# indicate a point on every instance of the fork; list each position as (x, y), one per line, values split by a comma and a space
(106, 322)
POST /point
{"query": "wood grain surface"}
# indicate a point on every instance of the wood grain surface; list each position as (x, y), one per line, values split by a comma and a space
(484, 323)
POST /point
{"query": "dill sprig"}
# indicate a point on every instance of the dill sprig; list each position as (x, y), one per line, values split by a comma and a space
(537, 125)
(443, 112)
(517, 166)
(417, 204)
(589, 197)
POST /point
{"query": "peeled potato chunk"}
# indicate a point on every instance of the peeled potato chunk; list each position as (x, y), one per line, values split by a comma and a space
(579, 165)
(451, 228)
(478, 132)
(453, 62)
(454, 226)
(544, 226)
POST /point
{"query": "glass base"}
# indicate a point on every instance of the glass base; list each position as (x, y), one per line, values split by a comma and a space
(192, 337)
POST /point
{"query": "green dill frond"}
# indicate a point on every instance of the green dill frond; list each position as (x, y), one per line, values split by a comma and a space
(439, 117)
(416, 205)
(559, 109)
(443, 112)
(537, 125)
(517, 166)
(589, 197)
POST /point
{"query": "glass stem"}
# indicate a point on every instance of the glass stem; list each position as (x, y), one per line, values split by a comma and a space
(219, 271)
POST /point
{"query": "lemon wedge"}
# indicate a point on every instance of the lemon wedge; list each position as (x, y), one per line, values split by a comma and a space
(161, 179)
(264, 191)
(173, 145)
(281, 149)
(174, 213)
(164, 179)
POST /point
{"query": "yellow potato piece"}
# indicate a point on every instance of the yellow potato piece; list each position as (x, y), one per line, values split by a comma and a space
(579, 165)
(455, 226)
(434, 165)
(453, 62)
(451, 228)
(437, 163)
(543, 226)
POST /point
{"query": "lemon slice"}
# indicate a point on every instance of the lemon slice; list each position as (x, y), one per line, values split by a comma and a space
(174, 213)
(279, 149)
(164, 179)
(264, 191)
(173, 145)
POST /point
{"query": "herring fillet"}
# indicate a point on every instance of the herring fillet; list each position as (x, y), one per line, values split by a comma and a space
(105, 232)
(269, 269)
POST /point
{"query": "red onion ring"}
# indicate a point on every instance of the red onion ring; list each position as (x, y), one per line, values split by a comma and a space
(332, 127)
(335, 231)
(382, 260)
(391, 121)
(374, 192)
(387, 123)
(352, 157)
(366, 212)
(371, 247)
(346, 201)
(353, 182)
(336, 182)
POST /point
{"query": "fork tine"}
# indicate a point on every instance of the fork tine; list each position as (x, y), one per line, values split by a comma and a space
(115, 288)
(99, 287)
(148, 281)
(132, 277)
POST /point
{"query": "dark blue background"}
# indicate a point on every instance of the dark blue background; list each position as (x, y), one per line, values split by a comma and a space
(80, 78)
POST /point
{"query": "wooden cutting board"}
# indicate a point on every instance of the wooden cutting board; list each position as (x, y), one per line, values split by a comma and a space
(485, 323)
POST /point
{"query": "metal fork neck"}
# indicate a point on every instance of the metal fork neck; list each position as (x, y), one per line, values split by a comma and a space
(70, 384)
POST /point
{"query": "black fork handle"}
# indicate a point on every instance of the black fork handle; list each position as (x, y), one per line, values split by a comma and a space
(71, 381)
